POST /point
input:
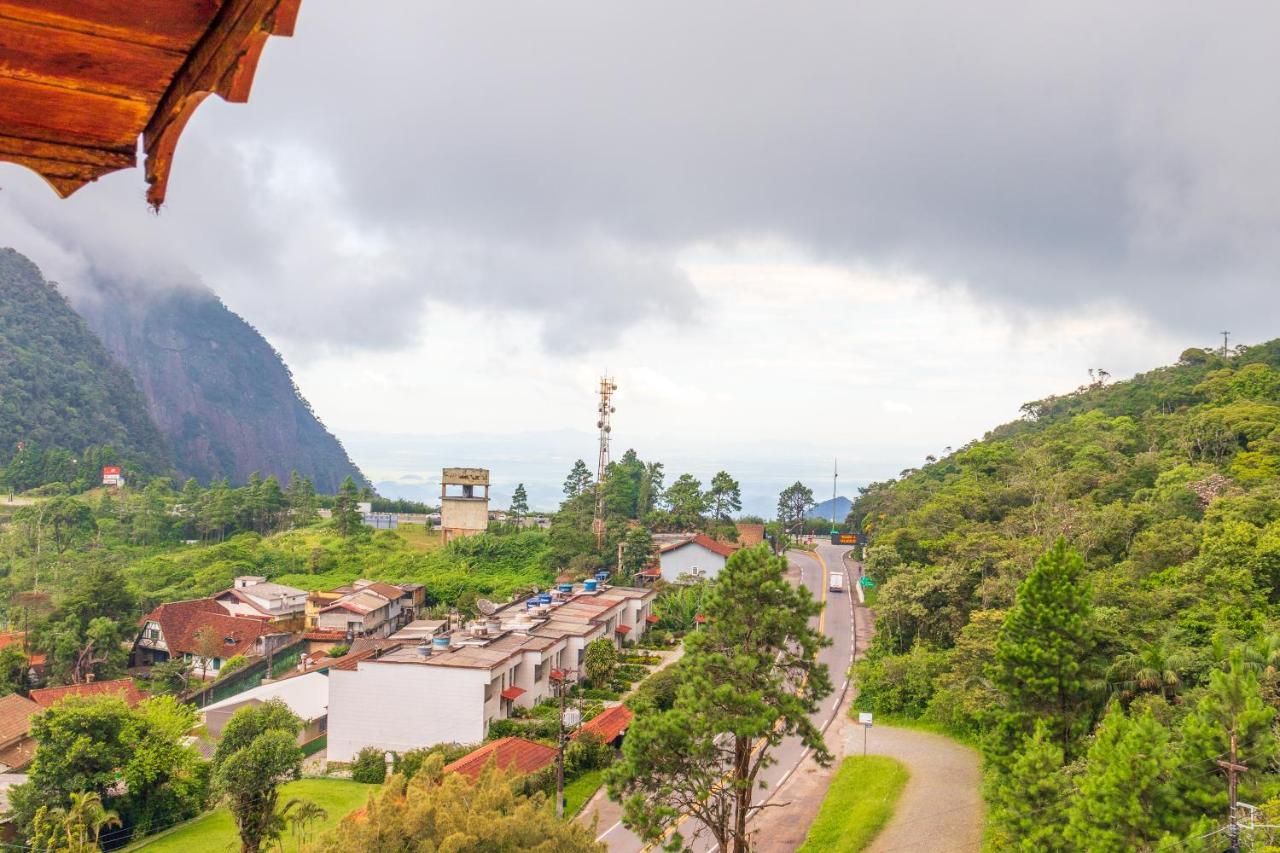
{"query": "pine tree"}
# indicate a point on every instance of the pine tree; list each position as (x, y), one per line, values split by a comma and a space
(1045, 650)
(519, 504)
(579, 479)
(346, 512)
(724, 497)
(1029, 800)
(1127, 797)
(1233, 704)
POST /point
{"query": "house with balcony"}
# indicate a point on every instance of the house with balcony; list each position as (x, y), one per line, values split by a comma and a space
(255, 596)
(425, 689)
(192, 630)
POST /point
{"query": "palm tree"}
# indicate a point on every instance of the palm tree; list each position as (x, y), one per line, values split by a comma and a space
(82, 824)
(301, 814)
(1156, 668)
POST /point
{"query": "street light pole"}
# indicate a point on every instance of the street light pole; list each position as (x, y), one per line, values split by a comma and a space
(560, 755)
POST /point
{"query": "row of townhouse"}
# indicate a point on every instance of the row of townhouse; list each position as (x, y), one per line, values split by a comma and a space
(448, 687)
(255, 618)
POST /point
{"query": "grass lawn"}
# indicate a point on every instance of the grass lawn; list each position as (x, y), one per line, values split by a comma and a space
(858, 804)
(214, 831)
(577, 792)
(904, 722)
(418, 536)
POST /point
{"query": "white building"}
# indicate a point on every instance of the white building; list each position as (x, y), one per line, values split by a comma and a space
(450, 690)
(695, 556)
(306, 695)
(371, 609)
(254, 596)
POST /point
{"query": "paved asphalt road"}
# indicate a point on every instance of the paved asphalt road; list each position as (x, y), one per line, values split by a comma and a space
(836, 622)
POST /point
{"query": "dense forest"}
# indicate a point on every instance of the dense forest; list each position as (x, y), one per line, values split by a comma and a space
(1093, 594)
(60, 390)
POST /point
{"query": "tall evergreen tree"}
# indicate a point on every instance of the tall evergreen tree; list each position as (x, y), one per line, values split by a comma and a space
(750, 679)
(1029, 798)
(519, 504)
(724, 497)
(1127, 796)
(1045, 650)
(346, 512)
(579, 479)
(686, 503)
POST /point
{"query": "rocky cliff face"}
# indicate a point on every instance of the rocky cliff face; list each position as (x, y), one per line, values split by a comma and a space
(220, 394)
(59, 388)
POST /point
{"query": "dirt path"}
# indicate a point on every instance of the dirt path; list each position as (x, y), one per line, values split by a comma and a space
(940, 810)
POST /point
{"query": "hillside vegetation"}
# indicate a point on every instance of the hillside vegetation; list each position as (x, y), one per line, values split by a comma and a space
(1105, 684)
(60, 391)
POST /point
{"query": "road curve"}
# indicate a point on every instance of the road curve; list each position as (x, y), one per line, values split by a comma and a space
(837, 623)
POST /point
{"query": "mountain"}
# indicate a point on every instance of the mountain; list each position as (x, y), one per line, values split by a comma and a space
(841, 504)
(219, 392)
(59, 387)
(1164, 491)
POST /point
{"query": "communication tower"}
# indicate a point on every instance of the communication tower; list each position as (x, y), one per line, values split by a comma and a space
(607, 387)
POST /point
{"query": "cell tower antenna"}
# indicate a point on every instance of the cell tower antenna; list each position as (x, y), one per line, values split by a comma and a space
(1226, 336)
(607, 387)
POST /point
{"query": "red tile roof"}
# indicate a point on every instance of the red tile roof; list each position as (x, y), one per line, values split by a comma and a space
(9, 638)
(180, 621)
(623, 629)
(324, 635)
(49, 696)
(713, 545)
(608, 724)
(15, 717)
(652, 619)
(512, 693)
(510, 753)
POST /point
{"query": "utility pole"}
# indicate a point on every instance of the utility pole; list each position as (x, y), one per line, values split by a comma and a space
(835, 475)
(1232, 767)
(562, 687)
(1225, 337)
(604, 410)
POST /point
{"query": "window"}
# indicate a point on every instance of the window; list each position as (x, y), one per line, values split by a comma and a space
(537, 671)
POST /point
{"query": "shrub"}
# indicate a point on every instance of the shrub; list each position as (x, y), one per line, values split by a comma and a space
(338, 651)
(586, 752)
(409, 763)
(899, 684)
(370, 766)
(232, 664)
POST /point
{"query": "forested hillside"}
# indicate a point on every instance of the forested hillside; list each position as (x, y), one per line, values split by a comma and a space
(61, 393)
(1106, 683)
(220, 393)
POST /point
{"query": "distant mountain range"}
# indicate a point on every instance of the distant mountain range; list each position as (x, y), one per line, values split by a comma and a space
(220, 399)
(841, 504)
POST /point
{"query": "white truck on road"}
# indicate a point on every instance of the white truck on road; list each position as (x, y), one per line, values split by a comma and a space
(837, 582)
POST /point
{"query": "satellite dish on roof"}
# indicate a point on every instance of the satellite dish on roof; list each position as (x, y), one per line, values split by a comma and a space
(485, 606)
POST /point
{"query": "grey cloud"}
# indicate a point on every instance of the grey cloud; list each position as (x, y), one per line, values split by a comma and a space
(556, 158)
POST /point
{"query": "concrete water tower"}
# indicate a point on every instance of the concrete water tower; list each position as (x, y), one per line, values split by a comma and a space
(464, 502)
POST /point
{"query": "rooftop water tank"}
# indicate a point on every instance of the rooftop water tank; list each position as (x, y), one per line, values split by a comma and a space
(424, 651)
(440, 643)
(602, 576)
(566, 587)
(590, 585)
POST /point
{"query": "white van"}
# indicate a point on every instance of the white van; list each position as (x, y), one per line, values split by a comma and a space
(837, 582)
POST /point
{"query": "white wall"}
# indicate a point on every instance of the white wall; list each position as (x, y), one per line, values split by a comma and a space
(683, 560)
(403, 706)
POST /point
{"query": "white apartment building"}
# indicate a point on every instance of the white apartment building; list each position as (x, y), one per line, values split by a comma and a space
(254, 596)
(448, 689)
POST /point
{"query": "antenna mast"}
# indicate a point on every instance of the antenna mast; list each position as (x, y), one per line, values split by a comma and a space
(835, 475)
(607, 387)
(1226, 337)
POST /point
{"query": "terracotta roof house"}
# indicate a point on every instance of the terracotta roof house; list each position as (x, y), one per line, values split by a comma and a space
(123, 687)
(609, 724)
(177, 628)
(509, 753)
(693, 556)
(17, 748)
(255, 596)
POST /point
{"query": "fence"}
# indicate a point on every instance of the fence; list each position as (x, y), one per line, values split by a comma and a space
(283, 660)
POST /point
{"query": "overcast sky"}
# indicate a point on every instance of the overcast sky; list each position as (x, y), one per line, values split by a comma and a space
(792, 231)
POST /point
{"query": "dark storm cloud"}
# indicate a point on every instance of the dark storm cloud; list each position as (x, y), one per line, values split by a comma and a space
(555, 158)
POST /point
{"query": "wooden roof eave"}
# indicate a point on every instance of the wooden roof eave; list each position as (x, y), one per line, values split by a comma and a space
(223, 62)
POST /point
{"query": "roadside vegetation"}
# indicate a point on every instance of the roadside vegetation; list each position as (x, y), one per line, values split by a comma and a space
(1093, 593)
(858, 804)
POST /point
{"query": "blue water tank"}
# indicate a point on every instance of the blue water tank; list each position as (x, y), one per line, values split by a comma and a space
(602, 576)
(566, 588)
(441, 642)
(590, 585)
